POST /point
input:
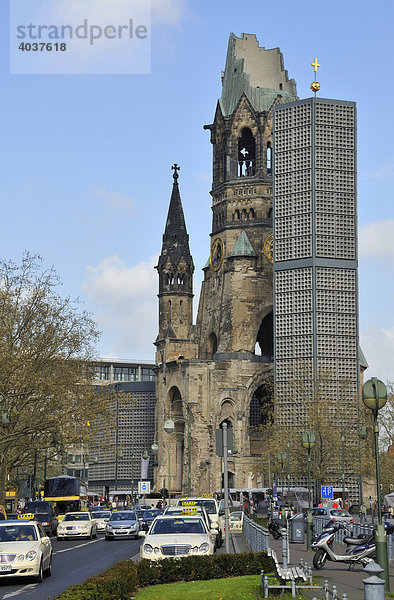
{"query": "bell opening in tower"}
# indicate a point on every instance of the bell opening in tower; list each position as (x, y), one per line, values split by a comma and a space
(246, 154)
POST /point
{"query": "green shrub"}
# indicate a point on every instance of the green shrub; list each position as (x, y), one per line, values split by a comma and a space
(123, 579)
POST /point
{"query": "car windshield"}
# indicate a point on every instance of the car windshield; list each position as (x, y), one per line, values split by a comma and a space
(176, 526)
(151, 514)
(18, 533)
(76, 517)
(340, 513)
(101, 515)
(209, 505)
(235, 516)
(123, 516)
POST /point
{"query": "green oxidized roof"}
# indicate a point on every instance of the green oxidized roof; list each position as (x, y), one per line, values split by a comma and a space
(362, 359)
(255, 71)
(243, 247)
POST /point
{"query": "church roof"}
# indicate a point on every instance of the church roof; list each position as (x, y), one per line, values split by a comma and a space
(256, 72)
(243, 246)
(175, 239)
(362, 359)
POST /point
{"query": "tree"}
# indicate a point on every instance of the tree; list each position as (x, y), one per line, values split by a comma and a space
(319, 404)
(47, 399)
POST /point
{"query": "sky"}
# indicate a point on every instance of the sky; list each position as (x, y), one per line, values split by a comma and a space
(85, 159)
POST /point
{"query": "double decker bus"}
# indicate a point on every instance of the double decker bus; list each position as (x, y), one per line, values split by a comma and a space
(67, 493)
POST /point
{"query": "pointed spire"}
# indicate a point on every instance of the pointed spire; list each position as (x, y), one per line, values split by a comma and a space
(175, 238)
(243, 246)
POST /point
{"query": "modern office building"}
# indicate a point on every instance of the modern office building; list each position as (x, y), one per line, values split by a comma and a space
(315, 267)
(115, 458)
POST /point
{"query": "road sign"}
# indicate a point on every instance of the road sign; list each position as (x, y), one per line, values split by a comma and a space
(327, 492)
(219, 441)
(144, 487)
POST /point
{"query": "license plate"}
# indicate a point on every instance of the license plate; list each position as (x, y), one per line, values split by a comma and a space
(5, 568)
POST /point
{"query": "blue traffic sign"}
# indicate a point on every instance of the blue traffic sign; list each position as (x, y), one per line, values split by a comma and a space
(327, 492)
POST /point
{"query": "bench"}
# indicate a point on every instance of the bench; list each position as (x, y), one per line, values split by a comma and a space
(297, 576)
(289, 574)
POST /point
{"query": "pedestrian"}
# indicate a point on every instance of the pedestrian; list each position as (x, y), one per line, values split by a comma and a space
(363, 513)
(346, 505)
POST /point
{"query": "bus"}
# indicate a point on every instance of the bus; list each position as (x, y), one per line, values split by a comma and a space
(67, 493)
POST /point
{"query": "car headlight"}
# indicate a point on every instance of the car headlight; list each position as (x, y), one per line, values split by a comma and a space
(108, 528)
(195, 550)
(31, 555)
(204, 547)
(148, 549)
(21, 557)
(85, 526)
(214, 524)
(157, 550)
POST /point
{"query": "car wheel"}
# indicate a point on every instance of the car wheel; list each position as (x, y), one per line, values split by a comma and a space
(91, 535)
(48, 570)
(59, 539)
(38, 578)
(108, 538)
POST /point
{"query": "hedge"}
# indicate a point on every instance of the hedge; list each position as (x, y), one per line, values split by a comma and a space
(122, 580)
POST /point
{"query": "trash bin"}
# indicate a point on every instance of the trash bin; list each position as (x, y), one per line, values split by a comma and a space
(297, 529)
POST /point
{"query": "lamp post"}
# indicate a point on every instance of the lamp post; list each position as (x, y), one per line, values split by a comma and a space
(169, 427)
(288, 472)
(282, 457)
(343, 463)
(308, 442)
(362, 435)
(374, 394)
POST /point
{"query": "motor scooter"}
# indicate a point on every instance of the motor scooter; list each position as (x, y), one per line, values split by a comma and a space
(358, 550)
(275, 527)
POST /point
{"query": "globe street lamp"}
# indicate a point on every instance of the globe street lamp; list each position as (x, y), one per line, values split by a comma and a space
(309, 442)
(374, 394)
(169, 427)
(282, 457)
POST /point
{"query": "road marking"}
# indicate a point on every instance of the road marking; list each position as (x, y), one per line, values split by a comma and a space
(17, 592)
(79, 546)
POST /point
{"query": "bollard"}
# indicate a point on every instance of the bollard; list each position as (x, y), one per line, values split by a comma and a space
(390, 548)
(334, 592)
(265, 586)
(373, 585)
(262, 579)
(325, 589)
(293, 588)
(284, 548)
(344, 597)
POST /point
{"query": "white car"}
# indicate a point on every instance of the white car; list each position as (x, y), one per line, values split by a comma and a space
(77, 524)
(101, 517)
(25, 549)
(122, 524)
(181, 535)
(216, 516)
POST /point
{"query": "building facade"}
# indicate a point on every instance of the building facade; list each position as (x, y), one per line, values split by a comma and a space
(115, 458)
(315, 269)
(221, 367)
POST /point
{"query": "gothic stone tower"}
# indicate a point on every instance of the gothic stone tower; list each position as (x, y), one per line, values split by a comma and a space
(218, 370)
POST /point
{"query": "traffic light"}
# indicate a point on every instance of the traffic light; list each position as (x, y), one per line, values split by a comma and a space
(163, 492)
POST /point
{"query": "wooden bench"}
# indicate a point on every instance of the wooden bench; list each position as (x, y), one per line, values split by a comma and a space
(294, 575)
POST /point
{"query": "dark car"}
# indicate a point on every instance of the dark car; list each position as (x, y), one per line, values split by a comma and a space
(44, 512)
(148, 516)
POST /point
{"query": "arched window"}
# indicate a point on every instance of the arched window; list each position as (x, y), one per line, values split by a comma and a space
(181, 279)
(237, 215)
(245, 215)
(251, 213)
(265, 336)
(269, 158)
(246, 154)
(212, 345)
(180, 311)
(269, 213)
(261, 414)
(170, 309)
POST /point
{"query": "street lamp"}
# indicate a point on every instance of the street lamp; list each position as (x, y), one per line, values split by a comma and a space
(374, 394)
(169, 427)
(282, 457)
(309, 442)
(362, 435)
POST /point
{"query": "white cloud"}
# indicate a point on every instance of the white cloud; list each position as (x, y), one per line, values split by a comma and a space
(384, 172)
(124, 303)
(115, 200)
(378, 347)
(376, 241)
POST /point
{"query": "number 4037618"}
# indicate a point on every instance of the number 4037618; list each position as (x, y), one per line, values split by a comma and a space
(43, 47)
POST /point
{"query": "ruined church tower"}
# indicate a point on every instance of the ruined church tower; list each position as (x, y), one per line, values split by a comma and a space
(218, 369)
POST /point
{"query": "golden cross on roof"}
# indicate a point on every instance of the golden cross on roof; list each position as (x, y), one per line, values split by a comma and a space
(315, 64)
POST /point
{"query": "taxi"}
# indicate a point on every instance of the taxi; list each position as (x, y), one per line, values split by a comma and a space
(101, 517)
(236, 521)
(25, 549)
(212, 507)
(176, 536)
(77, 524)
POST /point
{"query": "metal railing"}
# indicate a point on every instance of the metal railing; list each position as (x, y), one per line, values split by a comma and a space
(256, 535)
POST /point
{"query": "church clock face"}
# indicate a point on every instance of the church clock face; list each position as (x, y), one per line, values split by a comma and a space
(217, 254)
(269, 249)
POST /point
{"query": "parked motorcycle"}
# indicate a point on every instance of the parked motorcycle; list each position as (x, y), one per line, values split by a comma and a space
(275, 527)
(358, 550)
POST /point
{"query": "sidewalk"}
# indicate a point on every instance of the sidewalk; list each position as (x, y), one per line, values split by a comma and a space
(350, 582)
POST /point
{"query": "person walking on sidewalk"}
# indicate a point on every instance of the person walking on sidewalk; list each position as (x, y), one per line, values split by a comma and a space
(363, 513)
